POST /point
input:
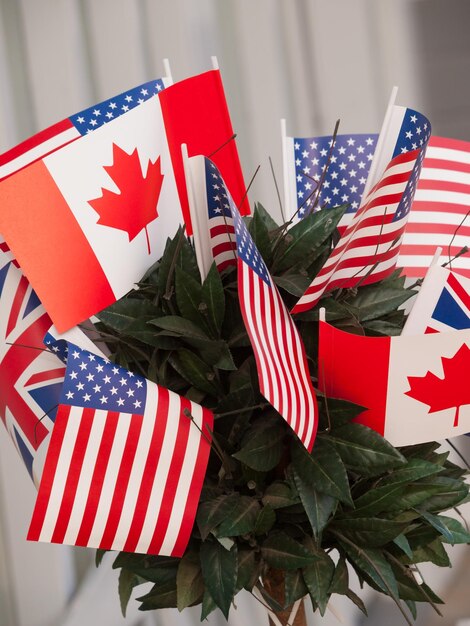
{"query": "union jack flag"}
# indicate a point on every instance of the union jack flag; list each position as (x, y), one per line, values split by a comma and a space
(442, 304)
(30, 377)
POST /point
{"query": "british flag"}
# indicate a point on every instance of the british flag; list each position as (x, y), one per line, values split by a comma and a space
(442, 304)
(30, 376)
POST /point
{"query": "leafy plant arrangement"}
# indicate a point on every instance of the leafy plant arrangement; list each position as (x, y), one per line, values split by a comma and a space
(272, 518)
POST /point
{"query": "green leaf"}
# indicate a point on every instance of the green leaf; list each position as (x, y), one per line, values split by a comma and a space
(189, 299)
(296, 284)
(451, 493)
(334, 310)
(414, 495)
(294, 587)
(265, 520)
(340, 580)
(357, 601)
(340, 411)
(279, 495)
(213, 297)
(248, 570)
(318, 506)
(262, 448)
(459, 533)
(219, 570)
(365, 451)
(124, 313)
(208, 605)
(189, 583)
(178, 253)
(318, 576)
(387, 328)
(242, 519)
(180, 326)
(415, 469)
(161, 596)
(434, 552)
(265, 216)
(194, 370)
(212, 512)
(375, 301)
(372, 564)
(410, 590)
(370, 532)
(127, 581)
(439, 523)
(377, 500)
(420, 450)
(282, 552)
(305, 238)
(217, 354)
(323, 468)
(99, 554)
(402, 542)
(259, 232)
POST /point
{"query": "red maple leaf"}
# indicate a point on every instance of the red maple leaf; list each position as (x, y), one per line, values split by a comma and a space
(450, 391)
(135, 205)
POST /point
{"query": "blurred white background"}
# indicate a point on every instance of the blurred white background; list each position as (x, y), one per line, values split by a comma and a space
(310, 61)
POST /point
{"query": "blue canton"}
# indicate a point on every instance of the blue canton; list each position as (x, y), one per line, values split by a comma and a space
(218, 202)
(414, 134)
(347, 172)
(92, 381)
(60, 348)
(246, 249)
(92, 118)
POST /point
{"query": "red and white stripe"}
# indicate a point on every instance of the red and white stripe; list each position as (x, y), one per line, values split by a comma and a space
(441, 204)
(222, 241)
(37, 147)
(280, 355)
(368, 250)
(123, 481)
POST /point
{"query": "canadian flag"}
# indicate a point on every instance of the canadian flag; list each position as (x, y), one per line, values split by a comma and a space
(413, 388)
(88, 220)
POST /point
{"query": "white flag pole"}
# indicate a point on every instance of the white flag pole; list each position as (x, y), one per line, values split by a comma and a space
(197, 209)
(371, 179)
(431, 283)
(289, 211)
(436, 257)
(215, 63)
(168, 77)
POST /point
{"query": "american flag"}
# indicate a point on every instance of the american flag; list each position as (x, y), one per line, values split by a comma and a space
(211, 216)
(283, 373)
(368, 249)
(30, 377)
(220, 224)
(347, 162)
(442, 304)
(125, 464)
(75, 126)
(440, 214)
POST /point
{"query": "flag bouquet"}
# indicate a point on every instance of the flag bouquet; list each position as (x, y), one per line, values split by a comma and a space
(243, 418)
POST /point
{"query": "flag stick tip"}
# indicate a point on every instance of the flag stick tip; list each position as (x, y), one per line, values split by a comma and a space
(436, 257)
(322, 314)
(167, 68)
